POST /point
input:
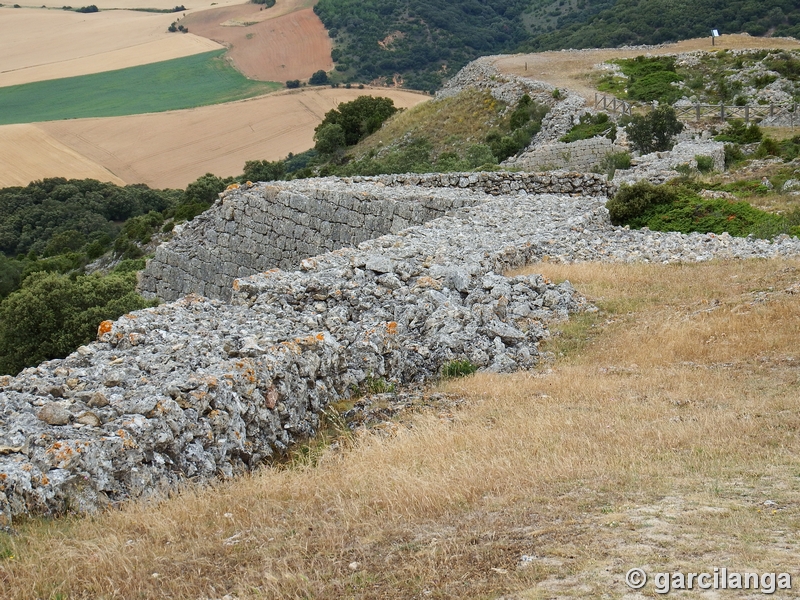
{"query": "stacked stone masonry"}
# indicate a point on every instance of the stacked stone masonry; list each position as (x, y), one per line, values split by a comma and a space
(263, 226)
(200, 388)
(582, 155)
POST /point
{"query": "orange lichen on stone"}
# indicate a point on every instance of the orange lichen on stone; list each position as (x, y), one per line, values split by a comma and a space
(45, 480)
(235, 285)
(391, 327)
(320, 337)
(233, 186)
(105, 327)
(3, 476)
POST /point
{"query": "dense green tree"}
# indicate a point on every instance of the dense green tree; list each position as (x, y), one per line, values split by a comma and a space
(264, 170)
(319, 78)
(655, 131)
(52, 314)
(329, 139)
(359, 118)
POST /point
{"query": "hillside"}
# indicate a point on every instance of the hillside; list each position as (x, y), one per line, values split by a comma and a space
(424, 43)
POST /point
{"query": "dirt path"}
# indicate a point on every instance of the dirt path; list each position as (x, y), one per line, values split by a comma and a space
(570, 68)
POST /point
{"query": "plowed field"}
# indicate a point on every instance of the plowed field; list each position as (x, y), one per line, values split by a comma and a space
(172, 149)
(284, 42)
(28, 153)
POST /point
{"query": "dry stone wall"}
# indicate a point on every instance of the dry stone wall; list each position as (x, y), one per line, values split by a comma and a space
(264, 226)
(582, 155)
(200, 388)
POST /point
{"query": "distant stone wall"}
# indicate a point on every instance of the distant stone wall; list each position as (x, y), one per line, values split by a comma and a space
(575, 156)
(265, 226)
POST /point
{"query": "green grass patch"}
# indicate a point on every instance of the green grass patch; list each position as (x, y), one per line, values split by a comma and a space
(677, 207)
(188, 82)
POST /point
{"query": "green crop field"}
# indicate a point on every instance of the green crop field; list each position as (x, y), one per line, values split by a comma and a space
(196, 80)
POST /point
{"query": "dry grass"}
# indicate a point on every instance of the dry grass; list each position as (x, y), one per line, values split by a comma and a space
(570, 69)
(451, 125)
(666, 422)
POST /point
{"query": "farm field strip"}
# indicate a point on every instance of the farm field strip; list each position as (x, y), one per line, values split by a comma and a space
(287, 45)
(187, 82)
(27, 153)
(71, 35)
(177, 46)
(173, 149)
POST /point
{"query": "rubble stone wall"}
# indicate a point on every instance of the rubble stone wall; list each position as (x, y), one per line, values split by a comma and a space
(265, 226)
(582, 155)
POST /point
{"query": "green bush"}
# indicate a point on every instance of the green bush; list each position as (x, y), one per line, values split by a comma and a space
(705, 164)
(52, 314)
(591, 126)
(733, 155)
(319, 78)
(633, 204)
(264, 170)
(359, 118)
(457, 368)
(655, 131)
(768, 147)
(737, 132)
(677, 207)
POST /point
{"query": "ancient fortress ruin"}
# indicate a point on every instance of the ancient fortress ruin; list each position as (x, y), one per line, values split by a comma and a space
(288, 296)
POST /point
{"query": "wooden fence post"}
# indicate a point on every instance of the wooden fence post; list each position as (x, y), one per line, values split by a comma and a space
(747, 115)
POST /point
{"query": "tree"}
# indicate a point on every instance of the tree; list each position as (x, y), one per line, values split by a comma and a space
(359, 118)
(264, 170)
(329, 138)
(319, 78)
(52, 314)
(293, 83)
(655, 131)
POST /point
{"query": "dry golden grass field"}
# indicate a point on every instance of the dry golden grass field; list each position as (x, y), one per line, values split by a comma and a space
(663, 436)
(172, 149)
(570, 69)
(286, 41)
(80, 44)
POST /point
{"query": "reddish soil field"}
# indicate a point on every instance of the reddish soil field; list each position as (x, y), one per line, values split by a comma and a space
(288, 46)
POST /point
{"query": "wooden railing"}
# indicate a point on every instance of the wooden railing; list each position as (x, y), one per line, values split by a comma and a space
(612, 105)
(750, 113)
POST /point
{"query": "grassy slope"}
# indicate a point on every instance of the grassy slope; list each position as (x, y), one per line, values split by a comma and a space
(180, 83)
(451, 125)
(667, 421)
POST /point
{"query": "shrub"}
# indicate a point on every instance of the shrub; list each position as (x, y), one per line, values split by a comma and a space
(319, 78)
(739, 133)
(632, 204)
(293, 83)
(655, 131)
(264, 170)
(733, 155)
(768, 147)
(358, 118)
(704, 163)
(591, 126)
(458, 368)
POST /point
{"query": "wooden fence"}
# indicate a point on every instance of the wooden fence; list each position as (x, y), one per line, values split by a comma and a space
(753, 112)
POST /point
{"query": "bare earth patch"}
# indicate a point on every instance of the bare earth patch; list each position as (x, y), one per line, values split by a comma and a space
(664, 436)
(172, 149)
(280, 43)
(28, 153)
(569, 68)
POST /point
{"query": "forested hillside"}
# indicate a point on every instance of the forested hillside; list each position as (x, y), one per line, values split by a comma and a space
(657, 21)
(427, 42)
(424, 41)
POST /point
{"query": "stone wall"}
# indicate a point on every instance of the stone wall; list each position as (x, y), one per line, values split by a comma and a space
(264, 226)
(582, 155)
(200, 388)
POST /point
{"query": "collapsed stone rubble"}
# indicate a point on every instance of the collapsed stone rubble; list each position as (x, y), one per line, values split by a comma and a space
(201, 388)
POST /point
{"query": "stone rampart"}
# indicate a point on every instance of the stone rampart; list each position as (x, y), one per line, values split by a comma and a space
(200, 388)
(582, 155)
(264, 226)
